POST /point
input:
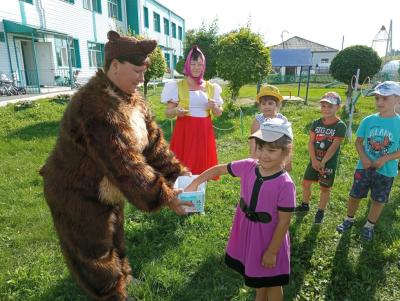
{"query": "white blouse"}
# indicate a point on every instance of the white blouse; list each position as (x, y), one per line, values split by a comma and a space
(197, 99)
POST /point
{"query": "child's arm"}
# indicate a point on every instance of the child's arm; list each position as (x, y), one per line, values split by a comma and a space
(382, 160)
(331, 151)
(255, 126)
(314, 162)
(366, 162)
(209, 174)
(269, 257)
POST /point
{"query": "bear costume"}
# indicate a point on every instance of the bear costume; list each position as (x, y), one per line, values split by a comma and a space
(109, 149)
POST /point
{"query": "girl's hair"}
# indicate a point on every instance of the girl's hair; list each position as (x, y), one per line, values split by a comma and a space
(269, 97)
(284, 143)
(136, 60)
(194, 54)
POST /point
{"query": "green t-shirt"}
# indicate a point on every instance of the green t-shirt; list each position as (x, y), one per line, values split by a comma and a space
(324, 136)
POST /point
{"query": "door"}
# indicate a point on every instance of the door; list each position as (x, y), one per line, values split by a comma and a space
(45, 64)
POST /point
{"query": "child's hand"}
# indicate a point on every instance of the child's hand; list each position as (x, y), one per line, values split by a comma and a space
(316, 165)
(268, 260)
(379, 162)
(181, 111)
(191, 187)
(176, 205)
(366, 163)
(211, 104)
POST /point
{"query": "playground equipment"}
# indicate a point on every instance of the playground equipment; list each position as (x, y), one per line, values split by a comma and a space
(382, 42)
(361, 90)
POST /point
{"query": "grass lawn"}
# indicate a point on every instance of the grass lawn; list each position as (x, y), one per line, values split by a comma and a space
(181, 258)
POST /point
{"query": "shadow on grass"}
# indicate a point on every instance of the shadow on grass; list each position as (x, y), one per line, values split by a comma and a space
(213, 280)
(64, 290)
(35, 131)
(301, 256)
(361, 282)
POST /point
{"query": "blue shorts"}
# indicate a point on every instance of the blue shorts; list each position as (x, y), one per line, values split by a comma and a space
(366, 179)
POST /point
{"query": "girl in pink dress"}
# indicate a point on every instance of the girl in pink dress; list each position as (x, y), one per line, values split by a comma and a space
(259, 244)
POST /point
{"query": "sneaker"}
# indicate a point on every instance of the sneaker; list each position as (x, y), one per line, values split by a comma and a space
(303, 207)
(367, 233)
(346, 225)
(319, 217)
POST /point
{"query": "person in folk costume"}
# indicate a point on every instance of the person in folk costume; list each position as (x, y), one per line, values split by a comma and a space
(109, 149)
(193, 100)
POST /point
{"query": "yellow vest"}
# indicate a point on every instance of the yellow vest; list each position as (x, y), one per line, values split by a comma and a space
(183, 94)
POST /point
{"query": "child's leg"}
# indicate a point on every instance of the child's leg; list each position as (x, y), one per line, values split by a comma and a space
(375, 211)
(325, 193)
(261, 294)
(306, 191)
(274, 293)
(352, 206)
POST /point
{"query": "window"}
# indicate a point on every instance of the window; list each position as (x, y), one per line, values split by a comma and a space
(324, 61)
(167, 59)
(166, 26)
(173, 29)
(180, 34)
(61, 52)
(146, 16)
(96, 55)
(2, 37)
(174, 61)
(75, 53)
(156, 19)
(114, 9)
(69, 1)
(94, 5)
(28, 1)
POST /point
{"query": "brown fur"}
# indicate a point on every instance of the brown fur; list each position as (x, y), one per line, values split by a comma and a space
(109, 148)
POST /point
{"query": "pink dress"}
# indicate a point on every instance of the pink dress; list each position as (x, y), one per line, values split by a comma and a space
(249, 239)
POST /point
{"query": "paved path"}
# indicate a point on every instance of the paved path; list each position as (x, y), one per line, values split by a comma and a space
(5, 100)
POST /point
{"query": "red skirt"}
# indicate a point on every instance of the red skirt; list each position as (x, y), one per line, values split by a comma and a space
(193, 143)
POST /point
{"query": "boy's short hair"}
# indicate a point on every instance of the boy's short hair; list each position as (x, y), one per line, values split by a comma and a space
(270, 91)
(387, 88)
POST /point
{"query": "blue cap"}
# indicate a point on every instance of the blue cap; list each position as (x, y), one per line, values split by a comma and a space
(387, 88)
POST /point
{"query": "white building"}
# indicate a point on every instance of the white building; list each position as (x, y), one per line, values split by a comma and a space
(43, 42)
(322, 55)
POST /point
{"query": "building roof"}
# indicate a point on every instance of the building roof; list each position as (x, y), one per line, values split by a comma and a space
(297, 42)
(291, 57)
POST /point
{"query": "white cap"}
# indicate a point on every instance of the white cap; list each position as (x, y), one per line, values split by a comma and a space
(387, 88)
(273, 129)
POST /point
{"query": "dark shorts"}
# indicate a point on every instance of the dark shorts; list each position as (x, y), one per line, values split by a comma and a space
(366, 179)
(325, 179)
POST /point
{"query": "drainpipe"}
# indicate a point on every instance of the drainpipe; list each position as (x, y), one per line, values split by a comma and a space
(16, 58)
(8, 49)
(68, 39)
(35, 61)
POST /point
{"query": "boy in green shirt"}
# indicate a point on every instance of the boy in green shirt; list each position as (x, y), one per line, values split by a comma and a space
(326, 134)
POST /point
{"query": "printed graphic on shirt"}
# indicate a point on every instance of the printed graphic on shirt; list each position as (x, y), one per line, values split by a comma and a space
(324, 136)
(379, 141)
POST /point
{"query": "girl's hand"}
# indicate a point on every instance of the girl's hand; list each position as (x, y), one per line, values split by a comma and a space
(191, 187)
(268, 260)
(211, 104)
(180, 112)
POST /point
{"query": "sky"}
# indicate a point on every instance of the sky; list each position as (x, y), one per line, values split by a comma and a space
(321, 21)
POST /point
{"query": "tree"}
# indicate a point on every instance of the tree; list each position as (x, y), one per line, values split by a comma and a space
(206, 37)
(157, 67)
(345, 64)
(243, 58)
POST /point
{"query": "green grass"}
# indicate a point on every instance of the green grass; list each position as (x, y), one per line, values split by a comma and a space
(181, 258)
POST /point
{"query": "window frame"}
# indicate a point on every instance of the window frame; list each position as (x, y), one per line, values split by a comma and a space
(180, 33)
(98, 54)
(173, 27)
(156, 22)
(146, 17)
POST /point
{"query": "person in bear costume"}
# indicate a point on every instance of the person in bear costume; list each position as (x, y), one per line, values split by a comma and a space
(109, 149)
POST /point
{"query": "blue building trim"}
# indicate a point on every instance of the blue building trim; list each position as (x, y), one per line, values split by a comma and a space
(22, 11)
(166, 10)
